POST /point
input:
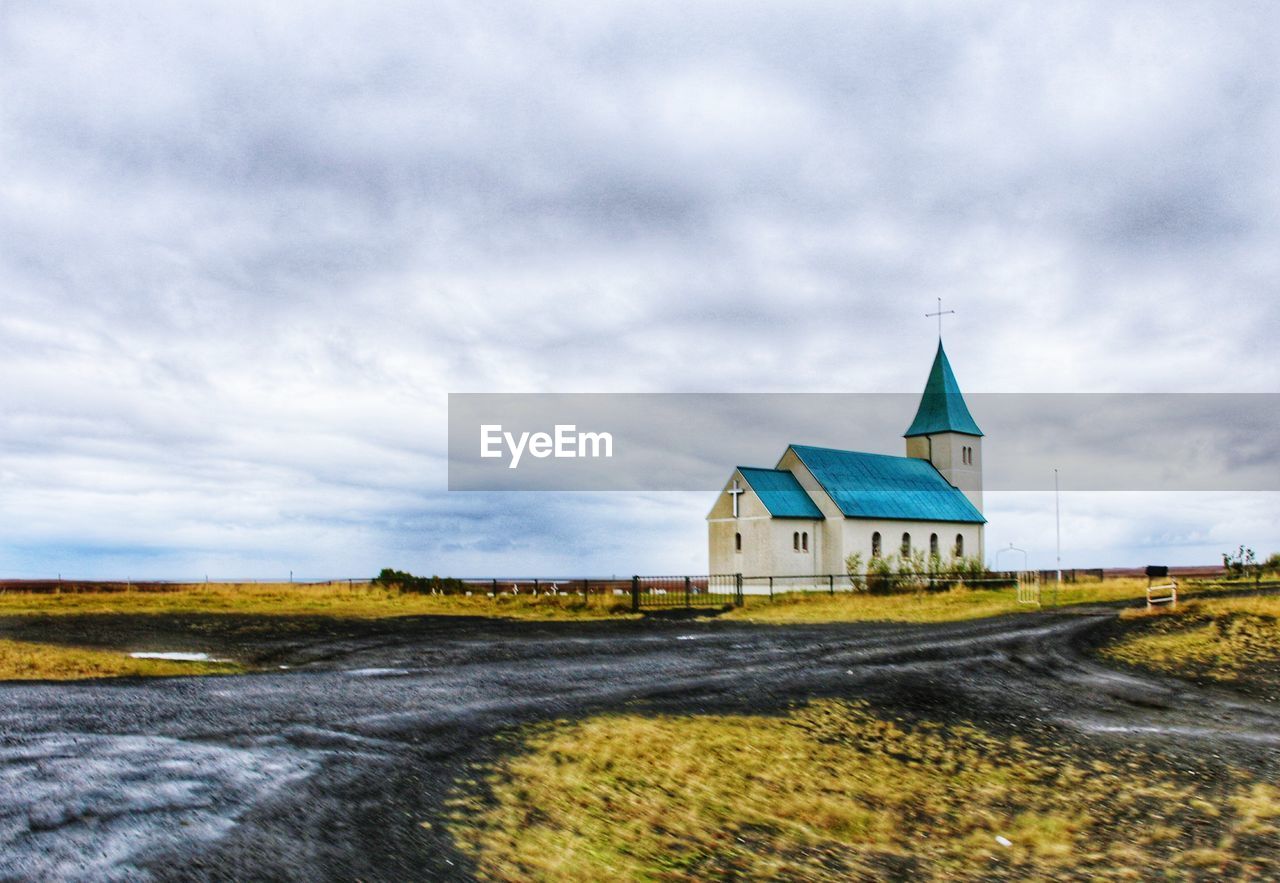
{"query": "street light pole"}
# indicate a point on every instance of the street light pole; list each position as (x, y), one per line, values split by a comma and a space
(1057, 522)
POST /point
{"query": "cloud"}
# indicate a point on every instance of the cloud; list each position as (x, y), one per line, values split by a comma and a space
(248, 252)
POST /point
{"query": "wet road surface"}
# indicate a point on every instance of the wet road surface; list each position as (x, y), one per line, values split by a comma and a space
(326, 769)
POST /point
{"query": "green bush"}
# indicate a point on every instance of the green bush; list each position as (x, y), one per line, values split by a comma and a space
(420, 585)
(853, 567)
(1243, 564)
(880, 575)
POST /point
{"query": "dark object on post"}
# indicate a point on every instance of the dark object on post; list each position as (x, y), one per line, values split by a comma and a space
(1156, 571)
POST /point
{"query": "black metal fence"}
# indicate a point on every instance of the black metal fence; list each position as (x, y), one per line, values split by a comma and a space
(894, 583)
(714, 590)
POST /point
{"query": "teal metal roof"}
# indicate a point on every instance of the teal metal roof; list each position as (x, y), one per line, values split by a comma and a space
(781, 494)
(942, 407)
(880, 486)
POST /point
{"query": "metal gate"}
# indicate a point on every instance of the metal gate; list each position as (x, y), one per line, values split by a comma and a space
(1029, 588)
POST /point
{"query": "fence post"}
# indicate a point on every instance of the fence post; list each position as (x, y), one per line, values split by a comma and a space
(737, 594)
(831, 582)
(770, 586)
(635, 594)
(686, 593)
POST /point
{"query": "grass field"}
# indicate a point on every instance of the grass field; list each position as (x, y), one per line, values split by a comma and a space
(371, 602)
(1218, 638)
(365, 601)
(955, 604)
(23, 660)
(833, 792)
(337, 600)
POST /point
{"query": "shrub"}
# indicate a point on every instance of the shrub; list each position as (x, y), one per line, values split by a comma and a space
(879, 575)
(853, 567)
(421, 585)
(912, 570)
(1241, 564)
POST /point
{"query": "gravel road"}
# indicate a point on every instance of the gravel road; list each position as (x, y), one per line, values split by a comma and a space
(327, 768)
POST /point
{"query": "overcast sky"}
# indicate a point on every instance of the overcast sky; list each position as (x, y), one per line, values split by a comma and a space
(246, 251)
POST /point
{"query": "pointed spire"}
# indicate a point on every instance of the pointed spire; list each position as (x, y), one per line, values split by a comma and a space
(942, 407)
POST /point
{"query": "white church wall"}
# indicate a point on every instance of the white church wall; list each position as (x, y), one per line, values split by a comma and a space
(831, 557)
(858, 535)
(768, 544)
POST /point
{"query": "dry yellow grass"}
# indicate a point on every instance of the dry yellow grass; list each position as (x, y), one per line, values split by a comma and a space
(833, 792)
(955, 604)
(338, 600)
(366, 601)
(1216, 637)
(23, 660)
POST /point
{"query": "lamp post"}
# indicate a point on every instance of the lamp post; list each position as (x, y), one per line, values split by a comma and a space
(1057, 527)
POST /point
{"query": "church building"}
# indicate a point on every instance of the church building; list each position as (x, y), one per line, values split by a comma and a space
(819, 505)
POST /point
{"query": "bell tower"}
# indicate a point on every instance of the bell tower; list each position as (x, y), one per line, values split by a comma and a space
(944, 432)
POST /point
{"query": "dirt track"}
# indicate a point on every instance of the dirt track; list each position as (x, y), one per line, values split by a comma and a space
(326, 770)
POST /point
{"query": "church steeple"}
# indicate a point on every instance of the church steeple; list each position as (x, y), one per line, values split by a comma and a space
(944, 432)
(942, 407)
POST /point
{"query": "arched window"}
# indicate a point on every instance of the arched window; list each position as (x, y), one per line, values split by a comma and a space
(875, 545)
(795, 541)
(933, 545)
(737, 542)
(906, 545)
(959, 545)
(804, 541)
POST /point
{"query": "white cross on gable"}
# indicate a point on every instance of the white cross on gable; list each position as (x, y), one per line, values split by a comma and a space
(735, 492)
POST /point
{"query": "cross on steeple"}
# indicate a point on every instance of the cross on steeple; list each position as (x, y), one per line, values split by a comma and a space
(941, 312)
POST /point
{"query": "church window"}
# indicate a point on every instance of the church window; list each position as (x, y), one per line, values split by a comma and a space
(804, 541)
(875, 545)
(737, 542)
(906, 545)
(959, 545)
(795, 541)
(933, 545)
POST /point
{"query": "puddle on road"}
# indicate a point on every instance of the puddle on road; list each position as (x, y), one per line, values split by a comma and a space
(377, 672)
(175, 656)
(1186, 732)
